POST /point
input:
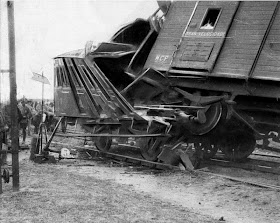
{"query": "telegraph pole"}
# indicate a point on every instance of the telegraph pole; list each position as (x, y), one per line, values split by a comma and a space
(0, 52)
(13, 96)
(1, 191)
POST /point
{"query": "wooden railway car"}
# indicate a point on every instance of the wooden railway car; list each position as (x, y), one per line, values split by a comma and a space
(233, 48)
(209, 68)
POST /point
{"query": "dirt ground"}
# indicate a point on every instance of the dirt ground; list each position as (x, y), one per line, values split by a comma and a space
(98, 191)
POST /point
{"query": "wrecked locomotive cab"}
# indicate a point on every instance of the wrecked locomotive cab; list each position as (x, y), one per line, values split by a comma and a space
(75, 81)
(106, 91)
(91, 87)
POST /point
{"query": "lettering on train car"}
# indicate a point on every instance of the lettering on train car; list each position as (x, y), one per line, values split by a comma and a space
(205, 34)
(161, 58)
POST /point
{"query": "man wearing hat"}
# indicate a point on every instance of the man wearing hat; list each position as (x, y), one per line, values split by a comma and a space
(26, 115)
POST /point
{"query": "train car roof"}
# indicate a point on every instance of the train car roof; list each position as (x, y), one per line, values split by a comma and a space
(75, 53)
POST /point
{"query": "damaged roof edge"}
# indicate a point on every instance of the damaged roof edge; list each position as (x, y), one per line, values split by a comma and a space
(75, 53)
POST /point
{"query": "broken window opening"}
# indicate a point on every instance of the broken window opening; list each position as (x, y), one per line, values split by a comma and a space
(210, 18)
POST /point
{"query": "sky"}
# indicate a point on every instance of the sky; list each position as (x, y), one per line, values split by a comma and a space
(47, 28)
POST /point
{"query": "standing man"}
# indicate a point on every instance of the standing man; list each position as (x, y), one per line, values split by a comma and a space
(33, 112)
(26, 115)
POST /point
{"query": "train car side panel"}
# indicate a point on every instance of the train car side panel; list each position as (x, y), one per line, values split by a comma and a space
(268, 65)
(244, 39)
(169, 37)
(70, 97)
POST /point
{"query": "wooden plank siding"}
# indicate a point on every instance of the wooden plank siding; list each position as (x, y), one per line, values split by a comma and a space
(268, 65)
(244, 39)
(176, 20)
(241, 45)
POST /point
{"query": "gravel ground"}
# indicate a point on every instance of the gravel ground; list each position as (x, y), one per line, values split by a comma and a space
(105, 191)
(63, 193)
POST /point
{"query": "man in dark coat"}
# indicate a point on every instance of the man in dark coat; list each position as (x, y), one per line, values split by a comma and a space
(26, 115)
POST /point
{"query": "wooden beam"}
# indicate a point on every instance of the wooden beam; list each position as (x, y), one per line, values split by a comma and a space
(0, 107)
(13, 96)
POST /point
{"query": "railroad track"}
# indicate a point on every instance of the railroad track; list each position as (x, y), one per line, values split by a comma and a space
(256, 161)
(266, 155)
(119, 158)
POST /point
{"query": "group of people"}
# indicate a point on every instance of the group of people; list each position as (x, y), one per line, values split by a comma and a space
(29, 113)
(27, 110)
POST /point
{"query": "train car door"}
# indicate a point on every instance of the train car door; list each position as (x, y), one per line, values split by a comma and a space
(204, 35)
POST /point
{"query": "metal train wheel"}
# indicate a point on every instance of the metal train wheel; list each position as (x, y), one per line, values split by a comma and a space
(103, 143)
(238, 145)
(208, 149)
(150, 148)
(213, 115)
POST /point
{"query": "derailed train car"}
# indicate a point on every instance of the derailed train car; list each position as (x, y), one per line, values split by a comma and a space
(203, 72)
